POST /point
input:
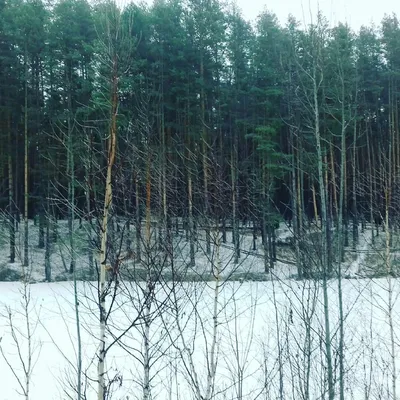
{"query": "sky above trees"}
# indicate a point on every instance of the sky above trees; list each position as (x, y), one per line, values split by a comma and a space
(355, 12)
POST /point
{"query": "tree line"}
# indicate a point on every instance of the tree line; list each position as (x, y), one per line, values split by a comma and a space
(218, 122)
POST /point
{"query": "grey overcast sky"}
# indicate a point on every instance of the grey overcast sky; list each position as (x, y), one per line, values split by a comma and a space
(355, 12)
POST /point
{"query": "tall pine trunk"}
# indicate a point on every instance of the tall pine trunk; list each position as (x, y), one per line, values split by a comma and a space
(88, 177)
(11, 216)
(388, 245)
(138, 220)
(190, 195)
(26, 187)
(235, 218)
(295, 209)
(342, 205)
(205, 159)
(71, 184)
(47, 247)
(190, 211)
(354, 190)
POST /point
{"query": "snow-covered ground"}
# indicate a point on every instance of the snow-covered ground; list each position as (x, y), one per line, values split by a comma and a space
(261, 348)
(251, 262)
(270, 334)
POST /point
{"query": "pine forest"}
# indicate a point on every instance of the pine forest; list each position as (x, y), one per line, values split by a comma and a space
(213, 199)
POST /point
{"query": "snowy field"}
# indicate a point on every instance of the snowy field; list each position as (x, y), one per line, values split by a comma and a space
(270, 340)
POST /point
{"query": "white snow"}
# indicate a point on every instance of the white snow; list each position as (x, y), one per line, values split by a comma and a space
(263, 345)
(259, 323)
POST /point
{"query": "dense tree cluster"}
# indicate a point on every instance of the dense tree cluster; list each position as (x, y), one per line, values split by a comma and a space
(218, 121)
(181, 122)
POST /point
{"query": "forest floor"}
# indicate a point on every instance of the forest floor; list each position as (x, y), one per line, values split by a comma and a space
(367, 258)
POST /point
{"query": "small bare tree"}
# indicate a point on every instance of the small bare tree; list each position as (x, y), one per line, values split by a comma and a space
(22, 324)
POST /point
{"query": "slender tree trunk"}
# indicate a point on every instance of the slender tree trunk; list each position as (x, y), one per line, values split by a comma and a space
(148, 208)
(101, 392)
(88, 175)
(354, 205)
(388, 261)
(213, 360)
(371, 186)
(223, 227)
(235, 222)
(138, 220)
(294, 196)
(41, 224)
(149, 288)
(47, 248)
(300, 213)
(326, 269)
(26, 187)
(265, 228)
(191, 227)
(166, 217)
(376, 163)
(162, 220)
(314, 197)
(390, 297)
(279, 345)
(205, 159)
(54, 214)
(146, 340)
(254, 235)
(78, 338)
(71, 182)
(334, 189)
(345, 207)
(342, 205)
(190, 193)
(11, 216)
(295, 218)
(328, 214)
(270, 245)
